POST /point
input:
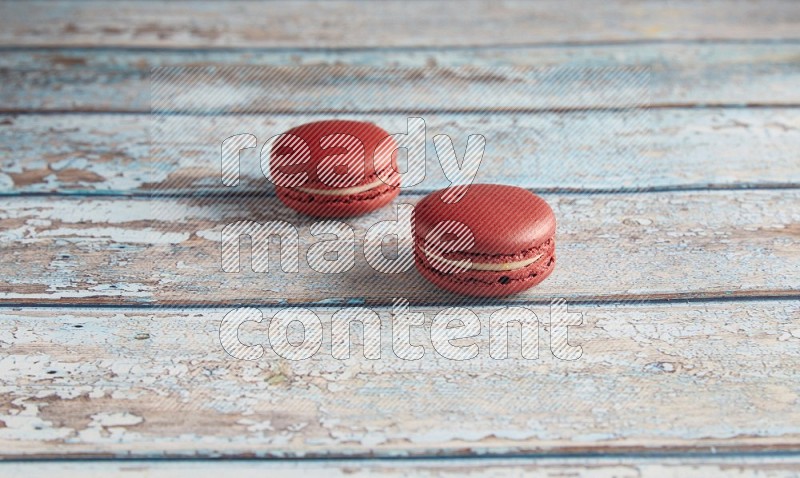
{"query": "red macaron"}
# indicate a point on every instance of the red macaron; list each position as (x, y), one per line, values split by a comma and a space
(335, 168)
(495, 241)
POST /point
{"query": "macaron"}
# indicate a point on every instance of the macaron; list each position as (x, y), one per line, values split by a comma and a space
(495, 241)
(335, 168)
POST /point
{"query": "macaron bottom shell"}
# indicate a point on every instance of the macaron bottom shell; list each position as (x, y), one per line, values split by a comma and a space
(488, 283)
(331, 206)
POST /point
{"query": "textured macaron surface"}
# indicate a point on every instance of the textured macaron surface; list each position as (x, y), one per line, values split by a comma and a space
(340, 154)
(504, 220)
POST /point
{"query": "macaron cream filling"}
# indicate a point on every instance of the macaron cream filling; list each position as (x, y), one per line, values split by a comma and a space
(484, 266)
(343, 191)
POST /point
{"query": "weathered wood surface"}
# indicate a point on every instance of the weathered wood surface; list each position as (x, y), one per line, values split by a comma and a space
(697, 377)
(345, 88)
(610, 467)
(389, 24)
(691, 74)
(672, 149)
(141, 377)
(707, 57)
(610, 247)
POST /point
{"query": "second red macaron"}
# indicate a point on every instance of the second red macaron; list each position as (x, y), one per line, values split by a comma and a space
(335, 168)
(495, 241)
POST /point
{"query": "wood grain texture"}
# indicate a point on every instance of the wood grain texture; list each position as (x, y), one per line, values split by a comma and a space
(679, 74)
(100, 360)
(389, 24)
(610, 247)
(697, 377)
(673, 149)
(611, 467)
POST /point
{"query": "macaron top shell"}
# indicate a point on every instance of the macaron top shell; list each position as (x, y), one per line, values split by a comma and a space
(336, 160)
(505, 221)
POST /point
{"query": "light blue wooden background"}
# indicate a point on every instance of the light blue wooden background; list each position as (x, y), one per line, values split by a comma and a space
(682, 249)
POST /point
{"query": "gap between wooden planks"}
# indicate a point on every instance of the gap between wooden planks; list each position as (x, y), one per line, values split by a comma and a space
(113, 382)
(743, 466)
(697, 244)
(388, 24)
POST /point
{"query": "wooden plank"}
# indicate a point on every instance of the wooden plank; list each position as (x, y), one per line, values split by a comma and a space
(389, 24)
(707, 377)
(693, 74)
(675, 148)
(668, 56)
(610, 247)
(684, 467)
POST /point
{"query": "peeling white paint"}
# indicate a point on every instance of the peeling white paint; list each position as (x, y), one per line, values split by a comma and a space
(119, 235)
(115, 419)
